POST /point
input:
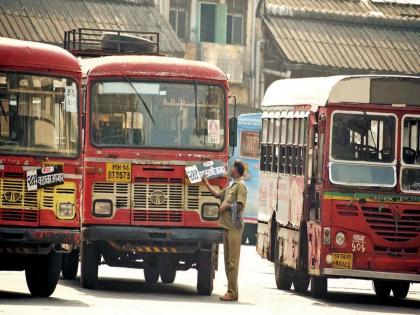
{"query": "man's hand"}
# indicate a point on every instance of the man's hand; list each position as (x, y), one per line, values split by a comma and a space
(212, 190)
(223, 208)
(205, 180)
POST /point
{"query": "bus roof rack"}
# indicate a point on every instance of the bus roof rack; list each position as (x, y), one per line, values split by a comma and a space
(92, 42)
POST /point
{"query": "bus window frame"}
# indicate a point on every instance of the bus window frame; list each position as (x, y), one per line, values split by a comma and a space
(403, 164)
(377, 164)
(275, 145)
(264, 144)
(91, 82)
(80, 134)
(397, 128)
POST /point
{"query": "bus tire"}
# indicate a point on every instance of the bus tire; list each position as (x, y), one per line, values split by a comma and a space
(205, 273)
(89, 264)
(400, 289)
(382, 288)
(167, 270)
(281, 273)
(42, 274)
(319, 287)
(301, 281)
(70, 265)
(151, 272)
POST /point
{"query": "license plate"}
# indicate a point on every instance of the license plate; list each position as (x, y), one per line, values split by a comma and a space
(118, 172)
(342, 260)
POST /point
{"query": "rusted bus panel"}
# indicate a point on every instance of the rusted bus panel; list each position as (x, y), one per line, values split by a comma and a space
(268, 196)
(290, 200)
(288, 243)
(314, 248)
(263, 243)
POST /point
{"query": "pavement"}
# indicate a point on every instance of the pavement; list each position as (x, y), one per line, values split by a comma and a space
(124, 291)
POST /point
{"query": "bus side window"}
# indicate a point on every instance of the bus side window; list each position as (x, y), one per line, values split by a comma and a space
(302, 146)
(283, 134)
(320, 156)
(270, 151)
(289, 146)
(276, 144)
(295, 151)
(263, 157)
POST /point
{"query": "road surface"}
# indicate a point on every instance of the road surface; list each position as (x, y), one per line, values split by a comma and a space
(123, 291)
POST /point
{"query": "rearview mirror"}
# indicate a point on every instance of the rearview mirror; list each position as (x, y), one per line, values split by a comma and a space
(233, 127)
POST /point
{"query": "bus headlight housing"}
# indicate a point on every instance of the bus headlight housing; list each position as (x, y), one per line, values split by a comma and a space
(340, 238)
(102, 208)
(210, 211)
(66, 210)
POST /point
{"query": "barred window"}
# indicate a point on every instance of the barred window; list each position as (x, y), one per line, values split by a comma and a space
(235, 21)
(178, 17)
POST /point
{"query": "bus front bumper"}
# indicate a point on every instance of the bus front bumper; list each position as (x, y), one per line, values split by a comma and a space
(152, 234)
(39, 235)
(366, 274)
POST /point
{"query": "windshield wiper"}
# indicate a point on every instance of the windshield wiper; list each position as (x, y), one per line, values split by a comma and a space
(142, 100)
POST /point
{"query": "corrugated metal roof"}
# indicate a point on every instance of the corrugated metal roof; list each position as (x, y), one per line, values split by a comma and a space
(354, 7)
(324, 39)
(46, 20)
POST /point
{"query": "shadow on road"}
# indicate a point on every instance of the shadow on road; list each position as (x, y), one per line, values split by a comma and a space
(114, 288)
(366, 302)
(18, 298)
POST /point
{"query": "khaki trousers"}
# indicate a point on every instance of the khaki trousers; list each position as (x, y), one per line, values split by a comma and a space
(232, 250)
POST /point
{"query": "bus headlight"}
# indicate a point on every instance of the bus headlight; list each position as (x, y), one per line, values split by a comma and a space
(65, 210)
(210, 211)
(102, 208)
(340, 238)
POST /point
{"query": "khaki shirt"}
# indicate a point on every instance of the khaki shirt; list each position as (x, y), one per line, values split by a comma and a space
(235, 192)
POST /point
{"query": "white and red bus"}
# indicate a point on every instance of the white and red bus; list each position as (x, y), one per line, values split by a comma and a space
(340, 182)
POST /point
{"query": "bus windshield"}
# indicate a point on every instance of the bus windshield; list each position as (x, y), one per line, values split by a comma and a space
(410, 173)
(38, 115)
(158, 115)
(366, 142)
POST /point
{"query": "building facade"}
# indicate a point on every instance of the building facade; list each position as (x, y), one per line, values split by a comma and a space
(223, 32)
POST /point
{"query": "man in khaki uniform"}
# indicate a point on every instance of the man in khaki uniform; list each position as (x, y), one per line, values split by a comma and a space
(231, 220)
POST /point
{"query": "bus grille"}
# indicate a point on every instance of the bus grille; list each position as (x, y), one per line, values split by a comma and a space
(157, 216)
(157, 196)
(15, 195)
(119, 192)
(196, 194)
(394, 228)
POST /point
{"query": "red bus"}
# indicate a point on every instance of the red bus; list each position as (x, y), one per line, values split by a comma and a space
(40, 183)
(147, 118)
(340, 182)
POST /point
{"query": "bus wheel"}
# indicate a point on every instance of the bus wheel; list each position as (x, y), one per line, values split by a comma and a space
(42, 274)
(205, 273)
(151, 271)
(301, 281)
(281, 273)
(70, 265)
(319, 287)
(89, 262)
(167, 270)
(400, 289)
(382, 288)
